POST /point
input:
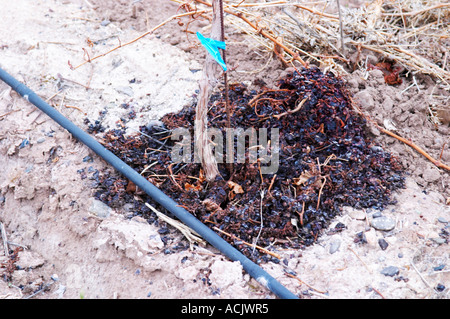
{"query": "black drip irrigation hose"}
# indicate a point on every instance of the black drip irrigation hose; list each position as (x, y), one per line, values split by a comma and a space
(157, 195)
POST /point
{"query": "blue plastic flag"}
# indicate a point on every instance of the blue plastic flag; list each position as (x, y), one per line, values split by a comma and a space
(213, 47)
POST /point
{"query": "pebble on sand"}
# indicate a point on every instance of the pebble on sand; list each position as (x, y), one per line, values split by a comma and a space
(334, 246)
(390, 271)
(383, 243)
(383, 223)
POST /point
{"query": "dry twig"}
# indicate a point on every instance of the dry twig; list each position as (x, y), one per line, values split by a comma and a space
(190, 234)
(248, 244)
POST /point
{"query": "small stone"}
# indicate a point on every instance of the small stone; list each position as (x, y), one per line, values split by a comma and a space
(88, 159)
(290, 271)
(105, 22)
(11, 150)
(377, 149)
(377, 74)
(390, 271)
(24, 143)
(100, 209)
(41, 140)
(334, 246)
(365, 100)
(357, 214)
(383, 223)
(431, 175)
(438, 240)
(387, 104)
(439, 268)
(383, 244)
(442, 220)
(360, 238)
(376, 214)
(373, 130)
(371, 237)
(440, 287)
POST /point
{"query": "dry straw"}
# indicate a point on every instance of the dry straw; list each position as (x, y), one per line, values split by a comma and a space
(413, 33)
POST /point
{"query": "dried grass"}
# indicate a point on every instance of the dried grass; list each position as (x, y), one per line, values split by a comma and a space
(413, 33)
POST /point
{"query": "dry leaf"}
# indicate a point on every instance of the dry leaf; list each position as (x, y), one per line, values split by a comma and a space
(235, 187)
(210, 205)
(131, 187)
(190, 187)
(304, 176)
(201, 176)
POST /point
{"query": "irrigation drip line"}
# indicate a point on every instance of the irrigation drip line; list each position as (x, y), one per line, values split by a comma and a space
(157, 195)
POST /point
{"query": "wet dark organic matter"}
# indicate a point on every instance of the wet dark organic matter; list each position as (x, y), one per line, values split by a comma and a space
(326, 160)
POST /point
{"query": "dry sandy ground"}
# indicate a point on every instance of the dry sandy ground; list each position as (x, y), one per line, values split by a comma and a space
(72, 252)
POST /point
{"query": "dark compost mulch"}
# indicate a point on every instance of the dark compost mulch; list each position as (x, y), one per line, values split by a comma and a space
(327, 159)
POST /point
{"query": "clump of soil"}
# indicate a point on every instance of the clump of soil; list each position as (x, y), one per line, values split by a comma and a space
(326, 161)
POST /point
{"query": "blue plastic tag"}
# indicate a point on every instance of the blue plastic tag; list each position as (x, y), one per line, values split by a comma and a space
(213, 47)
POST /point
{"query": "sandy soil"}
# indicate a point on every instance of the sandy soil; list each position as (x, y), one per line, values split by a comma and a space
(73, 250)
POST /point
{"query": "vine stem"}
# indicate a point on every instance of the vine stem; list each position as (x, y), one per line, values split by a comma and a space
(225, 79)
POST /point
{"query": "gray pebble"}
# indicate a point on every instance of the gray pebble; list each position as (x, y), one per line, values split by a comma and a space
(439, 240)
(377, 149)
(431, 175)
(100, 209)
(365, 100)
(442, 220)
(105, 22)
(383, 243)
(41, 140)
(334, 246)
(390, 271)
(376, 214)
(383, 223)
